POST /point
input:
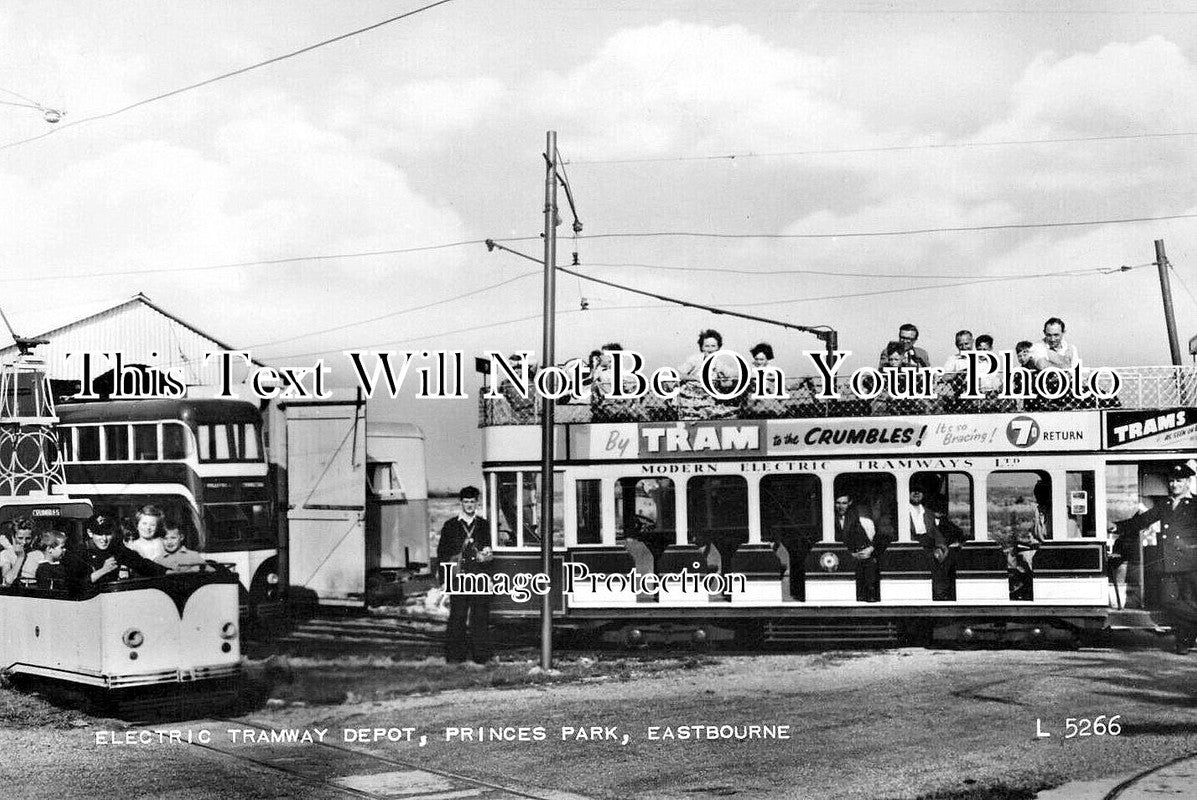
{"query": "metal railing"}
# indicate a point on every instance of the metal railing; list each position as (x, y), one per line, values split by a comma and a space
(1139, 388)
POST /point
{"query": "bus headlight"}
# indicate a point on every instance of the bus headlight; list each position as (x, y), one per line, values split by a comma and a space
(272, 578)
(133, 638)
(228, 630)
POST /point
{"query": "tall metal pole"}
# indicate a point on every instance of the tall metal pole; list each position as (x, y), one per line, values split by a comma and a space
(547, 408)
(1161, 262)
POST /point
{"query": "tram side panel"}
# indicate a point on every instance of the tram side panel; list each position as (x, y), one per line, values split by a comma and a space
(125, 637)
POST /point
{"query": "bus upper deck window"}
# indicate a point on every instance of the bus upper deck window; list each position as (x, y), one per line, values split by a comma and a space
(116, 442)
(145, 442)
(89, 443)
(174, 441)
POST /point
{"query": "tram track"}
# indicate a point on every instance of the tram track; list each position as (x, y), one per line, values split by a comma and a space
(1135, 781)
(353, 772)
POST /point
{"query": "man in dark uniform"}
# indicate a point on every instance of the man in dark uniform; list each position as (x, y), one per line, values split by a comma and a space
(1177, 516)
(465, 541)
(859, 533)
(931, 528)
(104, 559)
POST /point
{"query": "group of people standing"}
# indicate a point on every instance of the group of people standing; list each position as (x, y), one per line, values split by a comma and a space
(49, 560)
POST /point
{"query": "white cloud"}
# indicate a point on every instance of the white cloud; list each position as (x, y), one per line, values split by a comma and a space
(682, 88)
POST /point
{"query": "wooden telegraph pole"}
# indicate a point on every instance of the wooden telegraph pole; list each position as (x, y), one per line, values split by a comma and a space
(1161, 262)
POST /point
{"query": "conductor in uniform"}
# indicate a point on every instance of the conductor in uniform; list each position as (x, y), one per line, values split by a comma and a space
(465, 541)
(1177, 516)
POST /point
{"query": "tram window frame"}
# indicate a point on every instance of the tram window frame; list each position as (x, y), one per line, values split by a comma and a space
(694, 494)
(88, 443)
(527, 486)
(970, 528)
(66, 444)
(1087, 528)
(778, 498)
(852, 484)
(1041, 475)
(588, 512)
(665, 507)
(115, 437)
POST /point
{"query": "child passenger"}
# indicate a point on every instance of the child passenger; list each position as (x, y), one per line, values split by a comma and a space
(148, 543)
(177, 557)
(51, 574)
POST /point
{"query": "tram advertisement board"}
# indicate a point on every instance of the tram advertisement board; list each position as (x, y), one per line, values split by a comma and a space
(1151, 429)
(941, 434)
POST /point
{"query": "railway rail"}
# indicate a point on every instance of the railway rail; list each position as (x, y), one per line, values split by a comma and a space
(352, 772)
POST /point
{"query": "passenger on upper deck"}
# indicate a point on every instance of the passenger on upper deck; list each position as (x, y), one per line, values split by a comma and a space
(762, 359)
(693, 401)
(104, 560)
(959, 361)
(912, 356)
(19, 563)
(990, 383)
(51, 574)
(1053, 351)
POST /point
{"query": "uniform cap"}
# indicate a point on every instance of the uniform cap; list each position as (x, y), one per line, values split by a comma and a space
(1180, 471)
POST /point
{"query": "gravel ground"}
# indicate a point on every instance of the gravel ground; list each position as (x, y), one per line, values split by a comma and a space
(894, 724)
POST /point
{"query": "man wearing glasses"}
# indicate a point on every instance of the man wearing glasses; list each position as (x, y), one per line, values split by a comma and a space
(913, 356)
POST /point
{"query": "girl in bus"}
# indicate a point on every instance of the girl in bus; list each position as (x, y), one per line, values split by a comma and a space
(148, 543)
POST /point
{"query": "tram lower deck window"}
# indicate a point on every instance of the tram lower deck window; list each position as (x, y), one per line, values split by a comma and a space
(645, 507)
(873, 495)
(588, 506)
(1018, 506)
(717, 508)
(516, 509)
(791, 508)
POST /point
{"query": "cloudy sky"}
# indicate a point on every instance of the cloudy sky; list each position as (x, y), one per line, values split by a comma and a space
(429, 130)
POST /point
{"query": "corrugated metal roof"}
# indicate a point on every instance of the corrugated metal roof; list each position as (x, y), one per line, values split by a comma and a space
(142, 332)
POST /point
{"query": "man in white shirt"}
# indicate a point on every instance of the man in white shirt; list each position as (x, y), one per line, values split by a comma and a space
(1053, 351)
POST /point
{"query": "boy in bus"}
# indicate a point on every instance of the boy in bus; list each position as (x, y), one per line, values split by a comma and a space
(104, 559)
(19, 563)
(51, 574)
(859, 534)
(177, 557)
(148, 543)
(465, 541)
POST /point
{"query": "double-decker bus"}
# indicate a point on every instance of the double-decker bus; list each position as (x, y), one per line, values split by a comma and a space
(202, 461)
(642, 490)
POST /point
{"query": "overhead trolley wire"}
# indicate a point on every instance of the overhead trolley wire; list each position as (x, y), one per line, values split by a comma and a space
(408, 310)
(263, 262)
(897, 148)
(223, 76)
(863, 234)
(824, 272)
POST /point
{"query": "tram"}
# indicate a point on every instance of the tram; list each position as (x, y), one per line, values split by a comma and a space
(640, 490)
(124, 636)
(202, 461)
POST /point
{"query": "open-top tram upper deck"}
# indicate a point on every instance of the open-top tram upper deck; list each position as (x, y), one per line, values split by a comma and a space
(751, 490)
